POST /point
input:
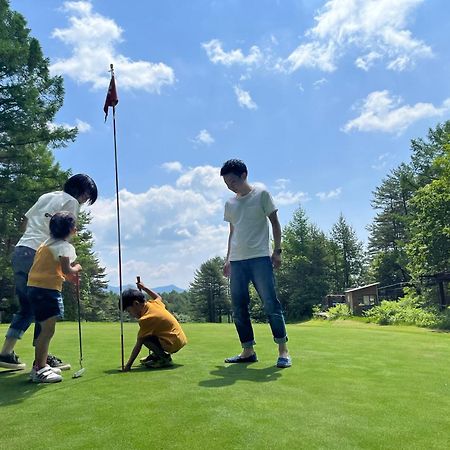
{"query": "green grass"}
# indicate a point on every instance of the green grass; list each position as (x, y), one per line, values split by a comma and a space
(352, 385)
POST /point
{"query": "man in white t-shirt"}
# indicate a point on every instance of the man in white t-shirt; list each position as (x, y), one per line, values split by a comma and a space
(78, 189)
(250, 259)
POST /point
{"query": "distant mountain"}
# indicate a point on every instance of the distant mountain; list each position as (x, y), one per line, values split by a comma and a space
(158, 289)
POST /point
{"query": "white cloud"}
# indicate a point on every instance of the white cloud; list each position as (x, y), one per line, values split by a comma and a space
(92, 39)
(203, 137)
(173, 166)
(205, 179)
(83, 127)
(331, 195)
(285, 198)
(217, 55)
(167, 231)
(281, 183)
(244, 99)
(375, 27)
(312, 55)
(382, 112)
(318, 83)
(365, 62)
(382, 161)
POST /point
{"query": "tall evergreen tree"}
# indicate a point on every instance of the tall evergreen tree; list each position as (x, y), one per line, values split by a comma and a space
(209, 292)
(303, 276)
(429, 247)
(347, 255)
(96, 305)
(29, 100)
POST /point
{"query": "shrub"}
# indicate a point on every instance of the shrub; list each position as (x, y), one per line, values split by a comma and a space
(340, 311)
(412, 309)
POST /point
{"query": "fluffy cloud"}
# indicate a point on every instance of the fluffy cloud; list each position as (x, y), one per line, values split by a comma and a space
(244, 99)
(285, 198)
(331, 195)
(83, 127)
(382, 112)
(203, 137)
(174, 166)
(217, 55)
(92, 39)
(167, 231)
(375, 27)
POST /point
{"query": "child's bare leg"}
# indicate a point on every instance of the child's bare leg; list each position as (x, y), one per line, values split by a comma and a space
(43, 342)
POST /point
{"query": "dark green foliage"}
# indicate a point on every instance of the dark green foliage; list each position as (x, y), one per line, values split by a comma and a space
(210, 299)
(97, 305)
(303, 276)
(347, 256)
(29, 100)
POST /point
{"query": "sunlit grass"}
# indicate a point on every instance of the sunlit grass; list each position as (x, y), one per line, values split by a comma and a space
(352, 385)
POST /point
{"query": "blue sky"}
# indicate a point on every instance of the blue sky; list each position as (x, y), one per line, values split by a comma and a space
(320, 99)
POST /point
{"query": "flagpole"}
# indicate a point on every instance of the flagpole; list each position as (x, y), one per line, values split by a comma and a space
(118, 229)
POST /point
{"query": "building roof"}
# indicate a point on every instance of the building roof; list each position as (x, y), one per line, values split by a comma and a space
(361, 287)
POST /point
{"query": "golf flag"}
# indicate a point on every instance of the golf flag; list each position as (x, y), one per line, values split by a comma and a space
(111, 96)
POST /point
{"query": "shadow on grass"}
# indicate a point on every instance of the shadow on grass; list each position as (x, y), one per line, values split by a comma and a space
(240, 372)
(118, 371)
(16, 386)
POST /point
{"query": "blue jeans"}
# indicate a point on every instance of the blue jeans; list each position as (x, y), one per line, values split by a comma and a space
(260, 272)
(22, 260)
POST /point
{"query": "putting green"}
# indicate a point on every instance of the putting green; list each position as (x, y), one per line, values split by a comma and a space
(352, 385)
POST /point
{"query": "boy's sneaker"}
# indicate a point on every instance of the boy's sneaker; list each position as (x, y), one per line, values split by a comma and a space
(53, 369)
(56, 363)
(149, 358)
(165, 361)
(11, 361)
(46, 375)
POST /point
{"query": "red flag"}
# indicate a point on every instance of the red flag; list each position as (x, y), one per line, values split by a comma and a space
(111, 96)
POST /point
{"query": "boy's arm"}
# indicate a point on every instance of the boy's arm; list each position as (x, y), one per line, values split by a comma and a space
(134, 353)
(226, 267)
(276, 232)
(154, 295)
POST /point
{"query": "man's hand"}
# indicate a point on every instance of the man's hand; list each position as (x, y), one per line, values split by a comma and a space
(227, 269)
(276, 260)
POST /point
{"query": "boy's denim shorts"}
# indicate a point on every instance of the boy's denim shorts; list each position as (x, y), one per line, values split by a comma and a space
(46, 303)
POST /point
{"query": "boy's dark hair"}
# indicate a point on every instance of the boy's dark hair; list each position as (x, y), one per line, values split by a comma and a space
(235, 166)
(61, 224)
(80, 184)
(129, 296)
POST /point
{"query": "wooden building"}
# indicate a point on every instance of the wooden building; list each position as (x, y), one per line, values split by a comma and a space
(362, 298)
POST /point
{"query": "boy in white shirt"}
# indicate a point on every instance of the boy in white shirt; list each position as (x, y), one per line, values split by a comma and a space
(78, 189)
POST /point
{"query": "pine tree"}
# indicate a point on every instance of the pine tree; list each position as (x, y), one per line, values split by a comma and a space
(209, 292)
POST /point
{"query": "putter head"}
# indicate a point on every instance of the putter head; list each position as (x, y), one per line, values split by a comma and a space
(79, 373)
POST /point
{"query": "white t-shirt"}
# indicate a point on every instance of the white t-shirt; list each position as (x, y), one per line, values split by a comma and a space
(37, 230)
(60, 247)
(249, 216)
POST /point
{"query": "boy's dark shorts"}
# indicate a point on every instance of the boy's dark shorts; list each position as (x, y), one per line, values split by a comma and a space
(46, 303)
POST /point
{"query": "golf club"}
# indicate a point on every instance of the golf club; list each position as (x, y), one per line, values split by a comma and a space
(79, 373)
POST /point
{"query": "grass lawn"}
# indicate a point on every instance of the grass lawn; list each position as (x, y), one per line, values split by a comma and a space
(352, 385)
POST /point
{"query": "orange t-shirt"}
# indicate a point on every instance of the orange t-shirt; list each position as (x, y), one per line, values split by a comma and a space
(157, 321)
